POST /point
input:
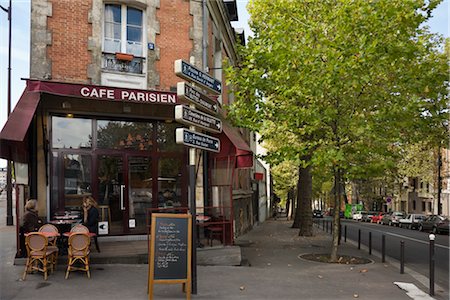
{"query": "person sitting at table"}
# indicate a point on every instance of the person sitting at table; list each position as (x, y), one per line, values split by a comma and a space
(90, 214)
(31, 221)
(90, 217)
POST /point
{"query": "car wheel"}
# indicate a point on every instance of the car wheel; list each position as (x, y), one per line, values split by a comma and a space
(420, 228)
(400, 225)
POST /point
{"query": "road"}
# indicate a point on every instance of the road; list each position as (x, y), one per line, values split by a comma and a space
(416, 247)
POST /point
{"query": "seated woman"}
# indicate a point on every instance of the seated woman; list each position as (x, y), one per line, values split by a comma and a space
(90, 217)
(31, 221)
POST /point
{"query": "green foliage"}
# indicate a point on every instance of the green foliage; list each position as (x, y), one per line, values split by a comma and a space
(344, 82)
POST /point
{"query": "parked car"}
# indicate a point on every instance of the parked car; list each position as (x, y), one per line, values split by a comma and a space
(368, 216)
(376, 218)
(434, 223)
(317, 213)
(359, 215)
(411, 221)
(394, 219)
(386, 218)
(444, 226)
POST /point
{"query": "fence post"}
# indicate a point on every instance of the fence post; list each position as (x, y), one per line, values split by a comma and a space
(402, 257)
(432, 237)
(345, 233)
(359, 239)
(383, 248)
(370, 242)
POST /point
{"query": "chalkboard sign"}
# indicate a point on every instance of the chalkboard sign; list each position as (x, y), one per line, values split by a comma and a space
(170, 250)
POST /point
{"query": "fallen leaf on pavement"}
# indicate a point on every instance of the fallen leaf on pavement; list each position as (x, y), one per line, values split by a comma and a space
(242, 288)
(269, 264)
(355, 296)
(363, 271)
(320, 276)
(289, 265)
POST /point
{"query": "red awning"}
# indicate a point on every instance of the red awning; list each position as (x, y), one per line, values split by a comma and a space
(13, 134)
(232, 144)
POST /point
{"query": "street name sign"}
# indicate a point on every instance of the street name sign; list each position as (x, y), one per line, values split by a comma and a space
(191, 73)
(197, 140)
(189, 116)
(188, 92)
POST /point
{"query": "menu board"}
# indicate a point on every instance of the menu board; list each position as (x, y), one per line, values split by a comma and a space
(170, 250)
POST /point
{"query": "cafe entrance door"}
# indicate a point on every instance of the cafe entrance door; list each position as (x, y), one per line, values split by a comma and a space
(124, 192)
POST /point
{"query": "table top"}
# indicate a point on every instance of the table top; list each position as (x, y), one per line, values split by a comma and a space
(202, 218)
(67, 234)
(47, 234)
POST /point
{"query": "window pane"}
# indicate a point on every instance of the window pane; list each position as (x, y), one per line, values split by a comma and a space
(71, 133)
(139, 189)
(134, 48)
(113, 13)
(134, 34)
(166, 137)
(77, 178)
(134, 16)
(112, 46)
(169, 182)
(124, 135)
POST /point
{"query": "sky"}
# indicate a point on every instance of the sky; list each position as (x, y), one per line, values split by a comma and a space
(21, 45)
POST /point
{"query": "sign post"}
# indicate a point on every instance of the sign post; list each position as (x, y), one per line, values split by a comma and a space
(193, 139)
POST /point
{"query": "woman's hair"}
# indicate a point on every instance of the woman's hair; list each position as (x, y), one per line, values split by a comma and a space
(30, 205)
(90, 200)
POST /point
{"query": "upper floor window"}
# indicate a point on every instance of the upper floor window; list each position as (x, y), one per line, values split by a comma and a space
(123, 30)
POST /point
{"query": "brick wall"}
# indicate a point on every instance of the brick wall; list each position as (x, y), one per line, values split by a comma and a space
(173, 40)
(70, 31)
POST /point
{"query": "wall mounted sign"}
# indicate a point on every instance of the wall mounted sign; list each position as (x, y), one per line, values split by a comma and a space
(197, 140)
(189, 116)
(191, 73)
(188, 92)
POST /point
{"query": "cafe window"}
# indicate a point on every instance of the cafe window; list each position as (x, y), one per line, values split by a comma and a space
(169, 182)
(124, 135)
(71, 133)
(166, 137)
(77, 178)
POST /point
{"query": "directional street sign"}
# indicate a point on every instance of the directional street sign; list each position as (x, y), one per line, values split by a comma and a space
(197, 140)
(189, 116)
(189, 93)
(191, 73)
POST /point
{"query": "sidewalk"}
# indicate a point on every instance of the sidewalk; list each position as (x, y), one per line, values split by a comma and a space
(272, 270)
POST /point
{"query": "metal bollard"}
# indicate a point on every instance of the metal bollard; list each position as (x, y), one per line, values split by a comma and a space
(345, 233)
(402, 257)
(370, 243)
(383, 248)
(359, 239)
(340, 234)
(432, 237)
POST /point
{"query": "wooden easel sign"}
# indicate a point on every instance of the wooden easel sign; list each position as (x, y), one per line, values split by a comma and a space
(170, 251)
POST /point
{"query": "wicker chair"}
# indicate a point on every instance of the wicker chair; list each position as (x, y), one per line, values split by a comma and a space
(39, 257)
(51, 241)
(78, 252)
(82, 228)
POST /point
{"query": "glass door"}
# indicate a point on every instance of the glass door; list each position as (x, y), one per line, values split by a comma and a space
(112, 196)
(140, 193)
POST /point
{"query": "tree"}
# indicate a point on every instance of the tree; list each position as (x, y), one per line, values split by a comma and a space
(331, 83)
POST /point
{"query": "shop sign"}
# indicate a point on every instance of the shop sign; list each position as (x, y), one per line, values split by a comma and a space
(189, 116)
(188, 92)
(127, 95)
(197, 140)
(191, 73)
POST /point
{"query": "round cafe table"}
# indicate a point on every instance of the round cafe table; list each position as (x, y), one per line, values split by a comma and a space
(90, 234)
(47, 234)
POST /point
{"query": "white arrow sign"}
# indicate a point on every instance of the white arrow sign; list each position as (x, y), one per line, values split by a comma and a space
(191, 73)
(189, 116)
(197, 140)
(195, 96)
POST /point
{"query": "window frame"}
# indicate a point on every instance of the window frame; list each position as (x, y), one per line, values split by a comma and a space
(123, 27)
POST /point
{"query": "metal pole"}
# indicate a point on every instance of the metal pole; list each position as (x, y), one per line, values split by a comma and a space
(340, 234)
(383, 248)
(359, 239)
(432, 237)
(402, 257)
(9, 215)
(192, 205)
(345, 233)
(370, 242)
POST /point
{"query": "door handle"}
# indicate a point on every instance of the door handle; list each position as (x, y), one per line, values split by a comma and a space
(122, 187)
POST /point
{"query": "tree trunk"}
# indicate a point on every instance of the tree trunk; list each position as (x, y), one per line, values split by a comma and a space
(303, 214)
(336, 218)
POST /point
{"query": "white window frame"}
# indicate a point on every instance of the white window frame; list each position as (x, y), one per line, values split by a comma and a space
(123, 26)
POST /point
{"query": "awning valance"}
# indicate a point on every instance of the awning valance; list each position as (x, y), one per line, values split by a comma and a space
(232, 144)
(13, 135)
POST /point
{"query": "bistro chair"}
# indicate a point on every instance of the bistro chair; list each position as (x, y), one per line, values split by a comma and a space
(38, 256)
(82, 228)
(78, 253)
(51, 241)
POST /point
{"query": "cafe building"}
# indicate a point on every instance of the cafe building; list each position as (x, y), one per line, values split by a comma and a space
(97, 115)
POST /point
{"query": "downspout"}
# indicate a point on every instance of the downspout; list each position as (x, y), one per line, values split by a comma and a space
(206, 69)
